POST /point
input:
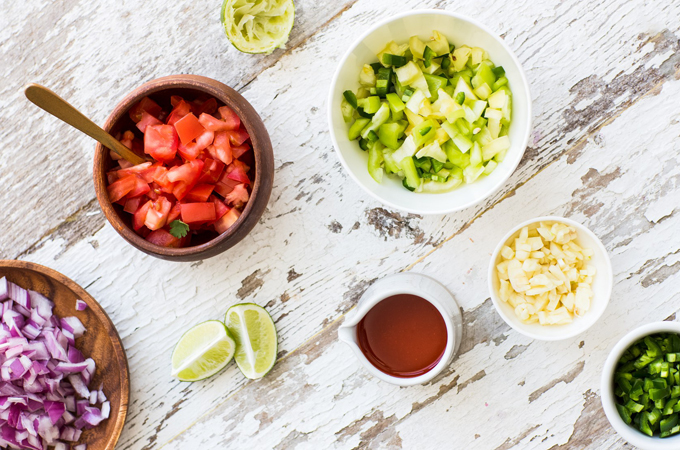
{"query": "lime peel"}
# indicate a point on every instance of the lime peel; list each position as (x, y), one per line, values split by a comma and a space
(258, 26)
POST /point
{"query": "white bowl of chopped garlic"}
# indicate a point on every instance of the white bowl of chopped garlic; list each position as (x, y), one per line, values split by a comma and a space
(550, 278)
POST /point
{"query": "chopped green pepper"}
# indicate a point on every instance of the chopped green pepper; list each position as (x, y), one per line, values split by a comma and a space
(393, 60)
(355, 129)
(647, 387)
(428, 55)
(351, 98)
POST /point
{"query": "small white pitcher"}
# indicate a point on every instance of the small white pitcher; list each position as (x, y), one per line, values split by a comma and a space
(414, 284)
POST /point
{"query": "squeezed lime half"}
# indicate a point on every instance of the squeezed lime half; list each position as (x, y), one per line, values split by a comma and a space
(258, 26)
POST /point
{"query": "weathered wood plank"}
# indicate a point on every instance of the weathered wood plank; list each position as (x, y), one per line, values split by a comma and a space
(535, 393)
(299, 261)
(93, 53)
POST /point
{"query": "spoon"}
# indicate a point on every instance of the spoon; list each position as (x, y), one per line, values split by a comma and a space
(61, 109)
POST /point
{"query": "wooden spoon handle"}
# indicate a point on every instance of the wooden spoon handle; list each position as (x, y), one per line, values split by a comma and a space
(61, 109)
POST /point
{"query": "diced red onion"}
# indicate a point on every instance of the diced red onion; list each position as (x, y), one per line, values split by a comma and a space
(4, 289)
(74, 325)
(44, 378)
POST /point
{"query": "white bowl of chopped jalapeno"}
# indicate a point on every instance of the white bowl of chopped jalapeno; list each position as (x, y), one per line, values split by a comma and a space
(430, 112)
(641, 386)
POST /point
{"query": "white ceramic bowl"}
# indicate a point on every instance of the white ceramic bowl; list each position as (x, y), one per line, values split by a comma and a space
(602, 285)
(415, 284)
(629, 433)
(460, 30)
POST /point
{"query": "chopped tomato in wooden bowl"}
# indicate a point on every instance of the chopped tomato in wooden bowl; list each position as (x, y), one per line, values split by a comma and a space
(208, 175)
(198, 177)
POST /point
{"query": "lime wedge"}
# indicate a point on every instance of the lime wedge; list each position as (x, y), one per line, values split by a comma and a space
(255, 335)
(202, 351)
(258, 26)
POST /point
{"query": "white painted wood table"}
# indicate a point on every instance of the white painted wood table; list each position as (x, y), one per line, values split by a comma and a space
(605, 149)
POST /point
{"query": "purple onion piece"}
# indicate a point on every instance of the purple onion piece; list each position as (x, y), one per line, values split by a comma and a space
(81, 305)
(45, 400)
(4, 289)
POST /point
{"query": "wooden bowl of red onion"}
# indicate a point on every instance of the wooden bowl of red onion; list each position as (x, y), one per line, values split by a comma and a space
(64, 379)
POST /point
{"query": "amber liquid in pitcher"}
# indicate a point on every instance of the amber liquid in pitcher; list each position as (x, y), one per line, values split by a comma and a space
(403, 336)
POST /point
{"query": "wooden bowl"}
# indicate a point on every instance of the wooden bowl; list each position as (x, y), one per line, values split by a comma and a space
(189, 86)
(100, 342)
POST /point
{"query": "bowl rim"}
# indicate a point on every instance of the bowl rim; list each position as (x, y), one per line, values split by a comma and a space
(99, 312)
(261, 145)
(464, 18)
(629, 433)
(595, 314)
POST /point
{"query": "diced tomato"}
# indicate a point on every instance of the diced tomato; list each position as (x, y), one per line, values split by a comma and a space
(222, 148)
(220, 208)
(239, 175)
(187, 153)
(132, 204)
(229, 116)
(125, 164)
(238, 164)
(139, 169)
(143, 232)
(146, 121)
(112, 176)
(144, 105)
(127, 139)
(238, 196)
(212, 170)
(225, 186)
(174, 212)
(209, 106)
(189, 172)
(213, 124)
(141, 188)
(200, 193)
(163, 238)
(196, 175)
(198, 212)
(175, 100)
(154, 193)
(238, 137)
(122, 187)
(157, 215)
(194, 149)
(238, 151)
(152, 172)
(188, 128)
(161, 141)
(181, 109)
(185, 177)
(227, 220)
(140, 215)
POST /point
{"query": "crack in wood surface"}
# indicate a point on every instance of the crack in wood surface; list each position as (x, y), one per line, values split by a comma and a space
(566, 379)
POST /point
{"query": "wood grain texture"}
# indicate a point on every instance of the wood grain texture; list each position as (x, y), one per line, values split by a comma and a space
(100, 342)
(604, 151)
(93, 53)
